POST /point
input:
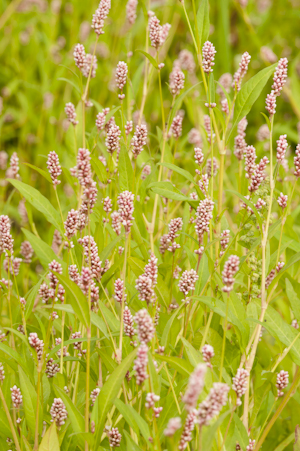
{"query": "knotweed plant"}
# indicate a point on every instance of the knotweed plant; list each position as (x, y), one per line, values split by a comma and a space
(149, 238)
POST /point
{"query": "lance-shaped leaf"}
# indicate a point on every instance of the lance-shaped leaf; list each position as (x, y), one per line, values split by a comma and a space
(38, 201)
(109, 393)
(77, 299)
(133, 418)
(29, 402)
(125, 170)
(50, 440)
(203, 22)
(249, 94)
(77, 420)
(182, 366)
(43, 251)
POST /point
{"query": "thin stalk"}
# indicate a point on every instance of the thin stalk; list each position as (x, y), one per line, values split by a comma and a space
(227, 429)
(280, 239)
(172, 388)
(280, 408)
(17, 290)
(285, 353)
(10, 421)
(206, 330)
(220, 187)
(123, 300)
(146, 72)
(284, 219)
(151, 226)
(12, 340)
(266, 420)
(36, 435)
(87, 384)
(224, 339)
(250, 361)
(109, 301)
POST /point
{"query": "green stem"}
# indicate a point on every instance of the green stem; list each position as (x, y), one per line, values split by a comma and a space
(280, 408)
(87, 384)
(36, 435)
(9, 419)
(123, 299)
(224, 339)
(266, 420)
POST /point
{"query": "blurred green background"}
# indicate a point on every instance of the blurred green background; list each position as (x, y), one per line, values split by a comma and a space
(38, 77)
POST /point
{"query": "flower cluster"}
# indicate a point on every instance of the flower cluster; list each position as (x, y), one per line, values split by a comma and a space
(195, 387)
(145, 327)
(158, 34)
(282, 382)
(58, 412)
(240, 382)
(213, 404)
(241, 72)
(231, 267)
(208, 57)
(100, 15)
(188, 281)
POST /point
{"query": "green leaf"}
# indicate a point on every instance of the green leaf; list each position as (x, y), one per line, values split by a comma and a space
(182, 366)
(50, 440)
(99, 169)
(168, 327)
(166, 189)
(136, 265)
(241, 431)
(38, 201)
(249, 204)
(125, 170)
(27, 446)
(133, 418)
(4, 425)
(212, 90)
(285, 443)
(29, 402)
(70, 82)
(267, 120)
(155, 385)
(220, 308)
(223, 45)
(179, 101)
(77, 420)
(203, 22)
(43, 251)
(13, 354)
(45, 174)
(30, 298)
(180, 171)
(210, 433)
(130, 443)
(203, 273)
(293, 298)
(295, 258)
(112, 321)
(77, 299)
(110, 114)
(109, 393)
(109, 248)
(249, 94)
(283, 331)
(194, 356)
(99, 323)
(150, 58)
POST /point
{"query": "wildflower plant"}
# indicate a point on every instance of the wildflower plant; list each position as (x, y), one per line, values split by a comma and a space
(149, 238)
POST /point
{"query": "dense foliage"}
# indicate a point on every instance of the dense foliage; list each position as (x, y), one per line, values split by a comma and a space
(149, 243)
